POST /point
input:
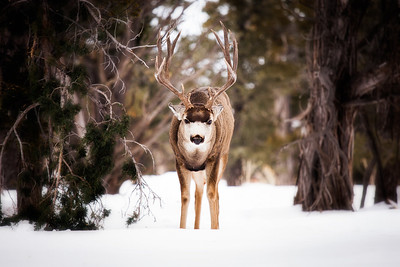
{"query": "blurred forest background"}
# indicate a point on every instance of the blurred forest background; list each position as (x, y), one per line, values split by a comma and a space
(316, 101)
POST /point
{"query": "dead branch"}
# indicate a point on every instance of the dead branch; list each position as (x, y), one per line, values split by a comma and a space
(21, 148)
(112, 42)
(141, 187)
(367, 82)
(13, 129)
(58, 174)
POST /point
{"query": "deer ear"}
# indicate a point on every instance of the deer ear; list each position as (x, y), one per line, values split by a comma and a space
(178, 110)
(217, 110)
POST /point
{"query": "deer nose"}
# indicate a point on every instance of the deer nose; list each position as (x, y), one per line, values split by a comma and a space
(197, 139)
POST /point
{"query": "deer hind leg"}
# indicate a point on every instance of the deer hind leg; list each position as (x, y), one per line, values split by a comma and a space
(215, 174)
(199, 178)
(184, 180)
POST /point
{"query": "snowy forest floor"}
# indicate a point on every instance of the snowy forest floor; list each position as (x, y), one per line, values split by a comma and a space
(259, 227)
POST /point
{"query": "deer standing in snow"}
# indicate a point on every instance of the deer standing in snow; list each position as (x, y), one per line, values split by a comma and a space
(201, 130)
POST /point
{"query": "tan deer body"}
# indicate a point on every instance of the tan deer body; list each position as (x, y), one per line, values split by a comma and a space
(200, 133)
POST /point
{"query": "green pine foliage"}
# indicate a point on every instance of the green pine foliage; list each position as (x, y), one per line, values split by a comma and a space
(129, 169)
(79, 75)
(81, 185)
(41, 62)
(132, 219)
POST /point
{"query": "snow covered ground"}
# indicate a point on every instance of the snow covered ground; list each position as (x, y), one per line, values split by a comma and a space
(259, 227)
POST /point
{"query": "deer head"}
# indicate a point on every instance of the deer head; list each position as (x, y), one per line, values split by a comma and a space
(196, 116)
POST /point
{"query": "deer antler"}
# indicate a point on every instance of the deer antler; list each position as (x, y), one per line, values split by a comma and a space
(162, 69)
(231, 66)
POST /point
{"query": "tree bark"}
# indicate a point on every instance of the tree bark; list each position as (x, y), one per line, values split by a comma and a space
(325, 173)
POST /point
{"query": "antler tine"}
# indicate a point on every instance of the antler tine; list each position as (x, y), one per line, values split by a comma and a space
(231, 66)
(226, 42)
(171, 47)
(159, 49)
(235, 53)
(162, 68)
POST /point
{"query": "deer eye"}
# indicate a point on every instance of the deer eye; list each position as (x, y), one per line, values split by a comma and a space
(209, 122)
(186, 121)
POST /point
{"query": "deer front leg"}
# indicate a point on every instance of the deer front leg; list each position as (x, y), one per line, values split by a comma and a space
(199, 179)
(213, 200)
(184, 180)
(215, 173)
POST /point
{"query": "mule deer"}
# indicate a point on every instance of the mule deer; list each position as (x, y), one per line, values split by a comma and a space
(201, 130)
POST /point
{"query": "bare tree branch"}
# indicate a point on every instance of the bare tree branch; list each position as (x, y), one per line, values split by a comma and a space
(367, 82)
(12, 129)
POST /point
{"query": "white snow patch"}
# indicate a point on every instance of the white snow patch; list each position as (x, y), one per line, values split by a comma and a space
(259, 227)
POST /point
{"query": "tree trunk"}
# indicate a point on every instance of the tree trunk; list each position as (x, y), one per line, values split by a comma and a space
(234, 173)
(386, 188)
(29, 195)
(325, 173)
(287, 165)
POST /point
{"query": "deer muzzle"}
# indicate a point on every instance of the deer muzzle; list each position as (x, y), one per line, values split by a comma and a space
(197, 139)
